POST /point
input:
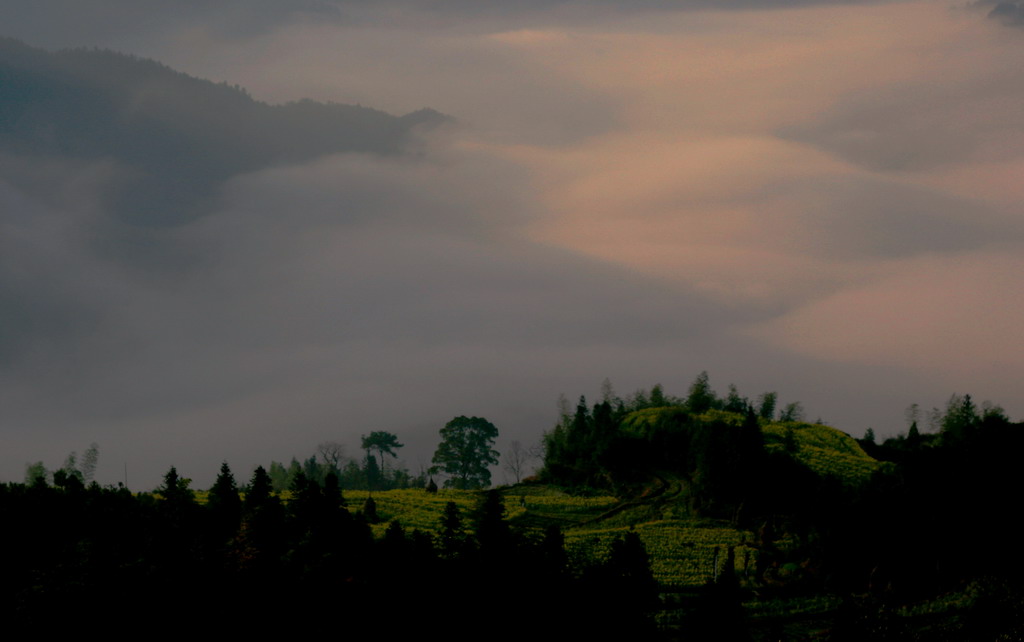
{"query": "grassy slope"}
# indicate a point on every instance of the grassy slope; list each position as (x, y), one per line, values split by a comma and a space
(684, 550)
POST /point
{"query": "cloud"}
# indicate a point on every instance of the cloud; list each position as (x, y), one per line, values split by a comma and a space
(176, 137)
(922, 126)
(322, 293)
(811, 200)
(949, 314)
(58, 22)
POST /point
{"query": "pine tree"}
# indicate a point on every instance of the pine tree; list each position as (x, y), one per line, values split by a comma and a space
(223, 497)
(175, 489)
(452, 539)
(629, 569)
(370, 511)
(224, 504)
(332, 491)
(913, 436)
(260, 491)
(261, 538)
(492, 532)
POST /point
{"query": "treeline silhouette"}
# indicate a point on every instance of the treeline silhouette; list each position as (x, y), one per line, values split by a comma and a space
(936, 519)
(248, 560)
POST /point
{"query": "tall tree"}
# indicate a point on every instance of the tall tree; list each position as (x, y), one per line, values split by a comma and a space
(36, 473)
(385, 443)
(333, 454)
(766, 405)
(701, 397)
(224, 502)
(734, 402)
(260, 491)
(70, 466)
(175, 489)
(262, 536)
(451, 539)
(913, 436)
(465, 452)
(492, 531)
(961, 417)
(658, 398)
(89, 461)
(912, 414)
(515, 459)
(607, 391)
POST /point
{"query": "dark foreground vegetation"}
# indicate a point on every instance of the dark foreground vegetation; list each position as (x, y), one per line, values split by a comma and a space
(910, 547)
(262, 564)
(819, 536)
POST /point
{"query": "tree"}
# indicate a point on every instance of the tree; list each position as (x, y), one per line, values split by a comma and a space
(452, 537)
(89, 461)
(961, 417)
(175, 489)
(564, 410)
(658, 398)
(224, 503)
(766, 405)
(384, 443)
(990, 410)
(370, 511)
(371, 472)
(262, 537)
(70, 466)
(516, 459)
(492, 531)
(912, 414)
(630, 587)
(734, 402)
(259, 492)
(224, 492)
(701, 397)
(36, 473)
(333, 454)
(465, 452)
(607, 391)
(792, 412)
(913, 436)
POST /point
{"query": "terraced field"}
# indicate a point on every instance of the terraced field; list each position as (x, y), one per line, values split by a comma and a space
(824, 450)
(685, 552)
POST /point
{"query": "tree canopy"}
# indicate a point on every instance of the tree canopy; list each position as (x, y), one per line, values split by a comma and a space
(385, 443)
(465, 452)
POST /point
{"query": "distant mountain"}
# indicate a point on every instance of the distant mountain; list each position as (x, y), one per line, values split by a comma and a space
(181, 135)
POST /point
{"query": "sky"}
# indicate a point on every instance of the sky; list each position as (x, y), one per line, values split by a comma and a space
(820, 199)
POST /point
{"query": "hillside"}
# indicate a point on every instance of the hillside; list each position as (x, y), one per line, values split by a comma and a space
(727, 526)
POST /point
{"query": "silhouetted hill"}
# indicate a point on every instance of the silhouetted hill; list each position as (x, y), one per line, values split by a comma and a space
(181, 135)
